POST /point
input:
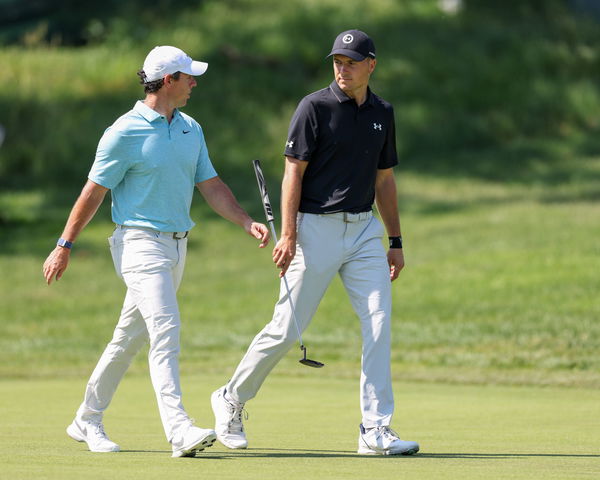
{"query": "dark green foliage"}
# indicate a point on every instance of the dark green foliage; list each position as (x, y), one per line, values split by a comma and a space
(476, 94)
(76, 22)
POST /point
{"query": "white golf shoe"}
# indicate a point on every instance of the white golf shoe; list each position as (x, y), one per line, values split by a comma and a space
(228, 420)
(93, 434)
(192, 440)
(384, 441)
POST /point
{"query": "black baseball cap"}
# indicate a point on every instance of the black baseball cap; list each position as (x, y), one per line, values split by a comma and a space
(354, 44)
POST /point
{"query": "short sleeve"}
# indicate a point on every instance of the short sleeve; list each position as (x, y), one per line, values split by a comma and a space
(302, 133)
(389, 155)
(204, 167)
(111, 162)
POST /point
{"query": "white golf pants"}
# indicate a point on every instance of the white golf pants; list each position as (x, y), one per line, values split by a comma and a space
(151, 265)
(329, 244)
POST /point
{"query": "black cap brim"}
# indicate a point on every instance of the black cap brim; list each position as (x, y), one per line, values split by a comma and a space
(348, 53)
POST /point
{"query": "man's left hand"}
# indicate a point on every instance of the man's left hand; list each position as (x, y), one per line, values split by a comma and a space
(259, 231)
(395, 257)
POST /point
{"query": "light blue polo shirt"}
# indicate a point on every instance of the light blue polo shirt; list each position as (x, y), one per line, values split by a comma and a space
(151, 167)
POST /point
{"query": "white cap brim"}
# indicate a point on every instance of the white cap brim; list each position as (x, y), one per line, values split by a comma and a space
(195, 68)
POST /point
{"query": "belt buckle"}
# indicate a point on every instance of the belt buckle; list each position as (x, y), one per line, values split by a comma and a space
(350, 217)
(180, 238)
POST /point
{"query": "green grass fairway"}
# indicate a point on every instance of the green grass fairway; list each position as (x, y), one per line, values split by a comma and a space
(306, 427)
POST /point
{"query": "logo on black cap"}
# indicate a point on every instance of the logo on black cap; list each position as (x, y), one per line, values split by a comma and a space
(348, 38)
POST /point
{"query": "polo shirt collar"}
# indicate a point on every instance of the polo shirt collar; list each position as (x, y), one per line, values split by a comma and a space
(342, 97)
(338, 92)
(149, 114)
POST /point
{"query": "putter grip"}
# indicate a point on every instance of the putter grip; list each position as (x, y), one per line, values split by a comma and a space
(262, 186)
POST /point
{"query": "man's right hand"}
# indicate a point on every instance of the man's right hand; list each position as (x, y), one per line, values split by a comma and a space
(284, 253)
(82, 212)
(56, 264)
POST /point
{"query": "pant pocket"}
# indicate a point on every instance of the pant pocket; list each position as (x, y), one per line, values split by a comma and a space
(378, 228)
(116, 251)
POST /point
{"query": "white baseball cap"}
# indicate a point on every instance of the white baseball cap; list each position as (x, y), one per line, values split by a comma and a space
(168, 60)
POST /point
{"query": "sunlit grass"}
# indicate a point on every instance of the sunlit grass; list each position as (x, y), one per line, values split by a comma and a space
(307, 427)
(499, 286)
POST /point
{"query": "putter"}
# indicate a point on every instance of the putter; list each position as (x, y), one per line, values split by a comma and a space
(262, 186)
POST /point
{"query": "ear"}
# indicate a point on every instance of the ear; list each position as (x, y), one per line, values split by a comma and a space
(372, 64)
(168, 79)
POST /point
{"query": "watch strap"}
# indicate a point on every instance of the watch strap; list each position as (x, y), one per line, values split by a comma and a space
(64, 243)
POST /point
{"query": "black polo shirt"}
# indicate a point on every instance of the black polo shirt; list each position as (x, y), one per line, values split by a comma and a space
(344, 145)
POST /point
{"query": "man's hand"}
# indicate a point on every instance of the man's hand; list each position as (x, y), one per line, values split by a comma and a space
(395, 258)
(56, 264)
(82, 212)
(284, 253)
(258, 231)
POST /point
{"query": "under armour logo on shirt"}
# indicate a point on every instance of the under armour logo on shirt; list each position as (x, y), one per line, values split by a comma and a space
(289, 144)
(377, 126)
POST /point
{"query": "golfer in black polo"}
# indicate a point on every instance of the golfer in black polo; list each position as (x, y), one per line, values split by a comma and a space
(339, 157)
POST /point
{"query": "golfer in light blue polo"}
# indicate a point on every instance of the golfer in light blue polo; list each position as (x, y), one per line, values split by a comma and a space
(150, 159)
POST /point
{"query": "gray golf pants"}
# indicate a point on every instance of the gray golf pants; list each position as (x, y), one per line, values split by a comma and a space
(151, 265)
(329, 244)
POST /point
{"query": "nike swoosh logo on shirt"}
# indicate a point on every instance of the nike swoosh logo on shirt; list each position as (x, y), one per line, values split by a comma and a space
(184, 132)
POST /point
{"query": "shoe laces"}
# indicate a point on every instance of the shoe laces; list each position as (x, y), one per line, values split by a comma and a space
(99, 430)
(387, 432)
(237, 411)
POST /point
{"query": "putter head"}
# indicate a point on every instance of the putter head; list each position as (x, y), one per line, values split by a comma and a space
(307, 361)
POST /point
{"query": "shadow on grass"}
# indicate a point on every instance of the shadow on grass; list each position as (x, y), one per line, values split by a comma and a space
(261, 453)
(491, 456)
(304, 453)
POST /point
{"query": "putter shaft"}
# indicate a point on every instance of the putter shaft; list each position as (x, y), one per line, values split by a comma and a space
(262, 185)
